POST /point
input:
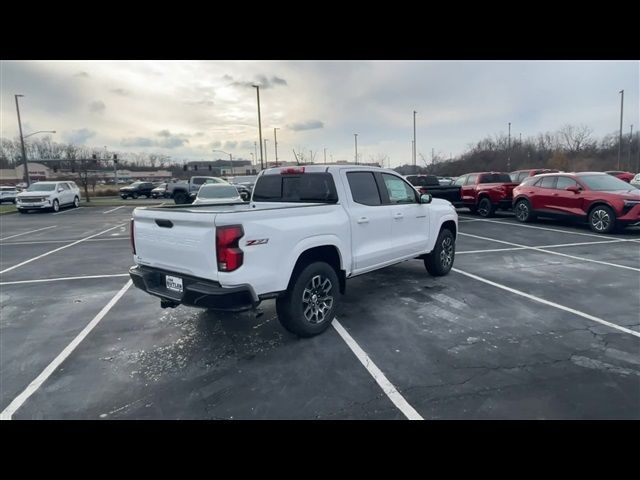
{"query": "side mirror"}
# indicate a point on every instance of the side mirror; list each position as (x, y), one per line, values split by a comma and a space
(426, 198)
(574, 188)
(60, 190)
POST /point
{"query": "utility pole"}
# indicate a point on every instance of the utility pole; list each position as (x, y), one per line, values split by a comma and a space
(620, 141)
(325, 152)
(255, 144)
(257, 87)
(265, 152)
(275, 141)
(356, 137)
(24, 153)
(630, 145)
(520, 139)
(414, 139)
(509, 150)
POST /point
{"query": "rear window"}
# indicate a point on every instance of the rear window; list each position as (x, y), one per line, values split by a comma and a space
(364, 189)
(218, 191)
(495, 178)
(304, 188)
(423, 180)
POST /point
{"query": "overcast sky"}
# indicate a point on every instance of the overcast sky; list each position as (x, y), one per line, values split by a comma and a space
(187, 108)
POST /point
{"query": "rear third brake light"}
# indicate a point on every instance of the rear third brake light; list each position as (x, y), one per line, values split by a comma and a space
(292, 170)
(230, 257)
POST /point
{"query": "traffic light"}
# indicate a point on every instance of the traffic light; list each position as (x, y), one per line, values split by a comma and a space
(115, 158)
(94, 157)
(184, 168)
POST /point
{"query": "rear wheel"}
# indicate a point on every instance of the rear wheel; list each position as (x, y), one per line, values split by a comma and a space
(180, 198)
(311, 301)
(522, 210)
(134, 196)
(602, 219)
(486, 208)
(440, 261)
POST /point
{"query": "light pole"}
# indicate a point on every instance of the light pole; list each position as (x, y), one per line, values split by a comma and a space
(414, 139)
(24, 154)
(509, 150)
(230, 159)
(275, 142)
(630, 145)
(325, 155)
(355, 135)
(620, 141)
(257, 87)
(265, 153)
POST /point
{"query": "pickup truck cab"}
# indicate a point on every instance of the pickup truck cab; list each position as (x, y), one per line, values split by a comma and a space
(484, 192)
(431, 184)
(304, 233)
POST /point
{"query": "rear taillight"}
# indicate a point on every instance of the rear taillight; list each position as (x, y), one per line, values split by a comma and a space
(131, 237)
(292, 170)
(230, 257)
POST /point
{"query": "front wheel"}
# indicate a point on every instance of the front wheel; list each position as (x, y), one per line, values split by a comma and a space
(311, 302)
(134, 196)
(486, 208)
(56, 206)
(602, 219)
(522, 210)
(76, 202)
(440, 261)
(181, 198)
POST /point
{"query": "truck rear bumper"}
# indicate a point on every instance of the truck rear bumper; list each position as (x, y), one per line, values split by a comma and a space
(196, 292)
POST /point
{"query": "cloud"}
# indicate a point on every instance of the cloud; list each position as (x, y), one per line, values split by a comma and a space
(80, 136)
(308, 125)
(82, 75)
(262, 80)
(97, 106)
(247, 144)
(230, 145)
(215, 144)
(167, 140)
(120, 91)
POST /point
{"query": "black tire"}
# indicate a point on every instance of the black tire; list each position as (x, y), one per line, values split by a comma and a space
(522, 211)
(602, 219)
(124, 197)
(486, 209)
(134, 196)
(76, 202)
(55, 206)
(303, 310)
(440, 261)
(180, 198)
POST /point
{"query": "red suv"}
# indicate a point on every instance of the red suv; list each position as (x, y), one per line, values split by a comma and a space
(603, 200)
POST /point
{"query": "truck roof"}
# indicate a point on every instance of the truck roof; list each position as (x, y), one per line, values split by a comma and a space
(323, 168)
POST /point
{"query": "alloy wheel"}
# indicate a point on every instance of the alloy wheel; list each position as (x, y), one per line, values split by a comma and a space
(600, 220)
(317, 299)
(522, 211)
(446, 254)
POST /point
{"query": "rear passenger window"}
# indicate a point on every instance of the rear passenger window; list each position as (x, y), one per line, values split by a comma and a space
(363, 187)
(522, 176)
(304, 188)
(564, 182)
(547, 182)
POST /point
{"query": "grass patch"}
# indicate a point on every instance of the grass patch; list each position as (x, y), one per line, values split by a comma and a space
(8, 209)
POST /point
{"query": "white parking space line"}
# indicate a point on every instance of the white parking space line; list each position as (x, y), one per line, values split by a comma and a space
(578, 244)
(513, 224)
(60, 279)
(69, 210)
(551, 252)
(114, 209)
(121, 237)
(387, 387)
(26, 233)
(59, 248)
(547, 302)
(17, 402)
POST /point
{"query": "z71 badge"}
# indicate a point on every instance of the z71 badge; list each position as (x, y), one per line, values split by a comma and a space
(259, 241)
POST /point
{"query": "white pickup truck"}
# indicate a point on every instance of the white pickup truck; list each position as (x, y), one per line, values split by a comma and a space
(305, 232)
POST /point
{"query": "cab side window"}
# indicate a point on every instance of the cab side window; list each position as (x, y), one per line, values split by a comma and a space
(460, 181)
(564, 182)
(399, 191)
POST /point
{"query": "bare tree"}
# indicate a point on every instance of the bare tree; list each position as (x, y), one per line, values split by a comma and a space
(573, 138)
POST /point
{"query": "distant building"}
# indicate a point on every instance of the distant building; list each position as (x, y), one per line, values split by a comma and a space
(37, 172)
(219, 168)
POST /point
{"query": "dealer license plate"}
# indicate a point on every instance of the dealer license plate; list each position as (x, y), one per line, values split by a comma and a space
(174, 283)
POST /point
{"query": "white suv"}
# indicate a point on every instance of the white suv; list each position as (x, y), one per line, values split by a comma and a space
(48, 195)
(8, 194)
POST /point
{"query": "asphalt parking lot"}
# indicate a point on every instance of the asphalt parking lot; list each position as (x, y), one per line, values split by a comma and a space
(537, 321)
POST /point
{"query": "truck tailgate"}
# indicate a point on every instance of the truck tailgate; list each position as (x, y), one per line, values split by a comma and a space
(177, 241)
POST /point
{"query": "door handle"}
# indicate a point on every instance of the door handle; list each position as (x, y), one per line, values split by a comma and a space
(363, 220)
(398, 215)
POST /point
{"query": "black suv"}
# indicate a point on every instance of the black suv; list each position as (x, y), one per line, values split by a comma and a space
(136, 190)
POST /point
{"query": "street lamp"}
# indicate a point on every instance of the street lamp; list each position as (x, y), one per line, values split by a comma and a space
(39, 131)
(275, 141)
(257, 87)
(230, 159)
(356, 137)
